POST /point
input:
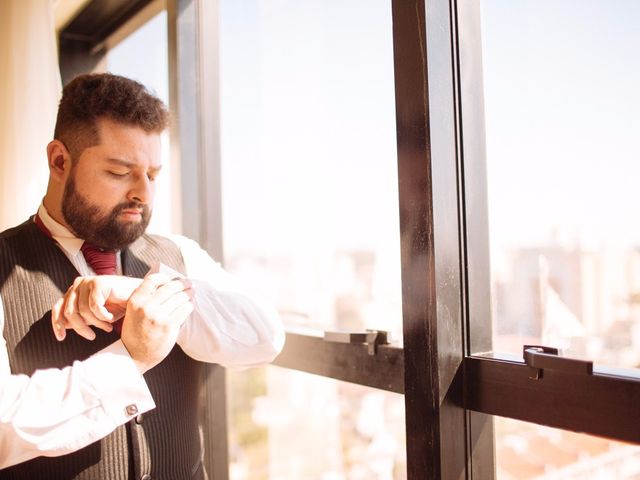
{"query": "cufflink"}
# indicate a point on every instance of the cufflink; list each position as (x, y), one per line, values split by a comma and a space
(131, 409)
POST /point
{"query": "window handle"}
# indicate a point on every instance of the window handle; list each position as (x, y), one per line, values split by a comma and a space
(541, 358)
(372, 338)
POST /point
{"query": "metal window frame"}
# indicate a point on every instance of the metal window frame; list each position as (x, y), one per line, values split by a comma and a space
(603, 403)
(345, 361)
(451, 390)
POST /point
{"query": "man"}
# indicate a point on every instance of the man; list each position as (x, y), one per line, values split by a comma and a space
(112, 392)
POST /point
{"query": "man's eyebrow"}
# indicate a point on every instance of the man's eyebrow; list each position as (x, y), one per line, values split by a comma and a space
(128, 164)
(119, 161)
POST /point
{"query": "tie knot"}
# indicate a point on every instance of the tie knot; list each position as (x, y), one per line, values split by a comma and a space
(103, 262)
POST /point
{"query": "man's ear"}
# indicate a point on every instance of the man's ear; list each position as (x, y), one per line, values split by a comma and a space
(59, 160)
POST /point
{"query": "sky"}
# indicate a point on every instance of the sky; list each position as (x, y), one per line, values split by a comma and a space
(308, 124)
(307, 95)
(562, 99)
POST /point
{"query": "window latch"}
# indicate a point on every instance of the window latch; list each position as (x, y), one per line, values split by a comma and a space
(540, 358)
(372, 338)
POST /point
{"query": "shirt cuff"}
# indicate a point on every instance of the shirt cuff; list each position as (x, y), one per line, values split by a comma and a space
(119, 385)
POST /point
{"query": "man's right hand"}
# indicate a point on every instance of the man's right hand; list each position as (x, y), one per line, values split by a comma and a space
(155, 312)
(97, 301)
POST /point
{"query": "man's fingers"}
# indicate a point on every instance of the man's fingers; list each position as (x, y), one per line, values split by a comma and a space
(98, 314)
(57, 321)
(81, 328)
(117, 311)
(161, 303)
(151, 283)
(90, 301)
(71, 315)
(168, 290)
(102, 325)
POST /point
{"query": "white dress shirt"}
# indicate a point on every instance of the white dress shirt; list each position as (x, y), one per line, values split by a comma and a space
(58, 411)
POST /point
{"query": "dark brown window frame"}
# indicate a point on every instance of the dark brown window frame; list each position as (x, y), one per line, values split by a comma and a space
(603, 403)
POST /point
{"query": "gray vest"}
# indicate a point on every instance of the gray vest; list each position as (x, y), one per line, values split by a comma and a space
(163, 443)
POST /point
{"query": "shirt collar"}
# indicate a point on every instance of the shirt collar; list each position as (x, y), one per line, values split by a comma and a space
(61, 234)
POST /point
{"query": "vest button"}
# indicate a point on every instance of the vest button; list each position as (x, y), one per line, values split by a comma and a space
(146, 476)
(139, 419)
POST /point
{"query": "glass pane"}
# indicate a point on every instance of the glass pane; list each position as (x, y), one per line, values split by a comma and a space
(561, 100)
(289, 425)
(310, 202)
(143, 56)
(527, 451)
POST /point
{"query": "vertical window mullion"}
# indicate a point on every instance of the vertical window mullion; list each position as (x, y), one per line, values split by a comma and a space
(430, 240)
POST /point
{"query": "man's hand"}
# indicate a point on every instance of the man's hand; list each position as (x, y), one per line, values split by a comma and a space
(155, 312)
(95, 300)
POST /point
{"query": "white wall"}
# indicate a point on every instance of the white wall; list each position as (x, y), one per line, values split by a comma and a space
(29, 93)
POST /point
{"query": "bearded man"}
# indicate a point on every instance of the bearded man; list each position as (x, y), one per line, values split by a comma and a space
(112, 391)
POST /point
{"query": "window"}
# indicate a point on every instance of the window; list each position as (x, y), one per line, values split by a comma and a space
(530, 451)
(287, 424)
(560, 108)
(150, 41)
(546, 156)
(309, 174)
(310, 211)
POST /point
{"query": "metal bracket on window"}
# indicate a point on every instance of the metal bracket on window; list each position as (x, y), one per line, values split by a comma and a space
(541, 358)
(372, 338)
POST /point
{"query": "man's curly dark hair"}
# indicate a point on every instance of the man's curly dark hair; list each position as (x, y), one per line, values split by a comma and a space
(90, 97)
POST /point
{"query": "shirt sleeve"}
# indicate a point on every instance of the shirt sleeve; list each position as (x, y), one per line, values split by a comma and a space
(57, 411)
(228, 326)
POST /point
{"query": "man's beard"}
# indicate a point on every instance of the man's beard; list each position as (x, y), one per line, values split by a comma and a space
(103, 231)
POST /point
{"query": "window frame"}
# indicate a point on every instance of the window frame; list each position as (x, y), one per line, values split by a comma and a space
(441, 124)
(599, 404)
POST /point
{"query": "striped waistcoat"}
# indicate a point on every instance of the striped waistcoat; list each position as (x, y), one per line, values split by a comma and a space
(163, 443)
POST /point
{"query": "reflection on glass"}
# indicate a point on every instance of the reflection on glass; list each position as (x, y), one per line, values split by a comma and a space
(309, 159)
(526, 451)
(290, 425)
(561, 102)
(149, 42)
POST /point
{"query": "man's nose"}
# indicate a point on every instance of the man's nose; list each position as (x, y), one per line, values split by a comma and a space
(141, 191)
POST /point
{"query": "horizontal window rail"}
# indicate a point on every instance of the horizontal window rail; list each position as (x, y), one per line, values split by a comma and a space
(604, 403)
(347, 361)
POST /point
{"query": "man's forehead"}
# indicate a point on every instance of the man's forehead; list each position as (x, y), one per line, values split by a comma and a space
(128, 145)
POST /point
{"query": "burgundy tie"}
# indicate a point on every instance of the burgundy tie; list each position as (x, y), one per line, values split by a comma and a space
(103, 262)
